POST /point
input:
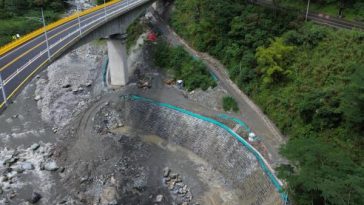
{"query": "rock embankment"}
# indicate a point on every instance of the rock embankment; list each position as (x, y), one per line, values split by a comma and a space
(209, 142)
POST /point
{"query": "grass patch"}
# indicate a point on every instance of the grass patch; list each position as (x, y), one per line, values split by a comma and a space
(133, 32)
(230, 104)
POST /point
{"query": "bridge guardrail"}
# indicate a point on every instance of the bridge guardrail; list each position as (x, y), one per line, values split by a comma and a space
(10, 46)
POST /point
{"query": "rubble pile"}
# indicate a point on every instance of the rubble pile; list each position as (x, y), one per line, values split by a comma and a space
(180, 191)
(109, 119)
(15, 164)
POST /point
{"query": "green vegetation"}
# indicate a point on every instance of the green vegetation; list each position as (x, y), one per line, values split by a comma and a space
(352, 10)
(133, 32)
(229, 104)
(98, 2)
(182, 66)
(14, 13)
(273, 60)
(308, 79)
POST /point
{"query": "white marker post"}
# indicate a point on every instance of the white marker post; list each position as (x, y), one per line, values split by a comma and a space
(46, 35)
(105, 10)
(3, 90)
(78, 17)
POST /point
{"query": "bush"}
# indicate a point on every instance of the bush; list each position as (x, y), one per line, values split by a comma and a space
(309, 36)
(229, 104)
(273, 60)
(133, 32)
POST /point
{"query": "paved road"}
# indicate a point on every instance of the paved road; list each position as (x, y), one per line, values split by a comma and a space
(21, 63)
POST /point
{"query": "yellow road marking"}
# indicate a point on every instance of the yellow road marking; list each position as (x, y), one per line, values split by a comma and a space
(36, 46)
(33, 72)
(26, 79)
(12, 45)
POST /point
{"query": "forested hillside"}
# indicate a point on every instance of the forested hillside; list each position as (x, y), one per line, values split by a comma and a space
(17, 16)
(309, 80)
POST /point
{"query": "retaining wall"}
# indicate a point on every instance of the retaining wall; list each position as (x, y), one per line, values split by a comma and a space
(210, 142)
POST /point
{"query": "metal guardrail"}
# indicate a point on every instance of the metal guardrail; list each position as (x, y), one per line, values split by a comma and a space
(5, 96)
(10, 46)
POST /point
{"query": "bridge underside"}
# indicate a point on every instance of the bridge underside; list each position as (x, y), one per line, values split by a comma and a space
(112, 31)
(117, 62)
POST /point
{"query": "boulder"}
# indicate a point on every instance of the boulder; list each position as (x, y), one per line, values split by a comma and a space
(21, 167)
(159, 198)
(35, 198)
(27, 165)
(37, 98)
(51, 166)
(166, 172)
(109, 196)
(67, 85)
(34, 146)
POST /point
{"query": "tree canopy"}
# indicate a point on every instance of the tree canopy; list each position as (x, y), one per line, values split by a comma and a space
(309, 80)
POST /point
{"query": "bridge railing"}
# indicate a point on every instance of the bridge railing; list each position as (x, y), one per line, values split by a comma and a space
(10, 46)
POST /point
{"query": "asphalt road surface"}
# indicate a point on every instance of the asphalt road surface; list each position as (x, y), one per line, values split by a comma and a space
(20, 64)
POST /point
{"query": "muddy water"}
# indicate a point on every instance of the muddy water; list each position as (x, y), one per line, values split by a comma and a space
(21, 123)
(207, 185)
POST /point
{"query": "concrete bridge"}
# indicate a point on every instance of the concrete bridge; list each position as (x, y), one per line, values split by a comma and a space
(23, 59)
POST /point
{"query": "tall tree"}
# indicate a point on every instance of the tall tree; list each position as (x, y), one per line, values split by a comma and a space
(321, 173)
(353, 99)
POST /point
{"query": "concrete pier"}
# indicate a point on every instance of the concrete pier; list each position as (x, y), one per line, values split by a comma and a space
(117, 62)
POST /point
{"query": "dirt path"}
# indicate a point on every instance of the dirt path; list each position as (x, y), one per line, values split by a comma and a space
(250, 112)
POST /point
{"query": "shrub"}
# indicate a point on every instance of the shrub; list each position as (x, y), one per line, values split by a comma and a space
(229, 104)
(183, 66)
(133, 32)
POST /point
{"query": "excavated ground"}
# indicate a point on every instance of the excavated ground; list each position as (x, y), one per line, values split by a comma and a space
(80, 143)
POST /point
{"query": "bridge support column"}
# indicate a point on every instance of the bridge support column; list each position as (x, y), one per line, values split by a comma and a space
(117, 62)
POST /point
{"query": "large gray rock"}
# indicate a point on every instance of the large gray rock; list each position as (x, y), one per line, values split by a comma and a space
(35, 198)
(37, 98)
(23, 166)
(159, 198)
(166, 172)
(51, 166)
(109, 196)
(27, 165)
(34, 146)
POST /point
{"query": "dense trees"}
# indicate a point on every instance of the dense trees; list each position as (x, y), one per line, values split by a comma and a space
(14, 13)
(353, 99)
(322, 173)
(309, 80)
(230, 31)
(272, 61)
(177, 62)
(14, 8)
